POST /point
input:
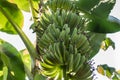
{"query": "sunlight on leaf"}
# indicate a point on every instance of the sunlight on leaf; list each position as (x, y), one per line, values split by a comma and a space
(118, 71)
(24, 5)
(5, 72)
(15, 13)
(26, 58)
(107, 43)
(1, 73)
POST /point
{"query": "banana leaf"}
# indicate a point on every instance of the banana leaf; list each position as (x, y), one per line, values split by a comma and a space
(11, 58)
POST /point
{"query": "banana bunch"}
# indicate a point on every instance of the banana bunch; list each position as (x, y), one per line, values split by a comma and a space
(59, 19)
(59, 4)
(60, 48)
(62, 43)
(80, 42)
(57, 56)
(53, 62)
(76, 67)
(53, 35)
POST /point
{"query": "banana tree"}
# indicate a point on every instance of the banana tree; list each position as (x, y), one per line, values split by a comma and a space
(69, 34)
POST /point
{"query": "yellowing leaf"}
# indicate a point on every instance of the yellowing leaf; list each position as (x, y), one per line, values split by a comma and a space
(100, 70)
(118, 71)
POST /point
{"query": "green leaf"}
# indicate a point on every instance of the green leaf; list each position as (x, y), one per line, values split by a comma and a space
(16, 67)
(95, 40)
(5, 60)
(5, 72)
(98, 8)
(97, 12)
(106, 43)
(108, 74)
(26, 58)
(115, 78)
(1, 64)
(13, 11)
(1, 75)
(86, 5)
(24, 5)
(103, 8)
(99, 25)
(100, 21)
(39, 77)
(27, 63)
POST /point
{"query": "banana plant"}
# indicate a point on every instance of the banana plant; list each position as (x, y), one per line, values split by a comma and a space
(69, 33)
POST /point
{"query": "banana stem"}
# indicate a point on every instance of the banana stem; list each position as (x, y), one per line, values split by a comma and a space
(64, 73)
(29, 74)
(32, 9)
(25, 39)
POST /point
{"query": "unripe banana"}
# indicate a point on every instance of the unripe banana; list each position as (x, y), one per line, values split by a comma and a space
(70, 63)
(57, 49)
(77, 60)
(82, 60)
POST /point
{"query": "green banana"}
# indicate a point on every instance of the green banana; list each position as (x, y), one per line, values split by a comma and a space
(74, 35)
(42, 25)
(77, 60)
(51, 57)
(57, 56)
(87, 75)
(82, 60)
(52, 74)
(64, 16)
(46, 66)
(86, 72)
(47, 61)
(73, 20)
(48, 38)
(68, 17)
(52, 5)
(45, 19)
(60, 20)
(54, 18)
(49, 34)
(57, 49)
(70, 63)
(43, 44)
(54, 55)
(62, 35)
(56, 31)
(71, 50)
